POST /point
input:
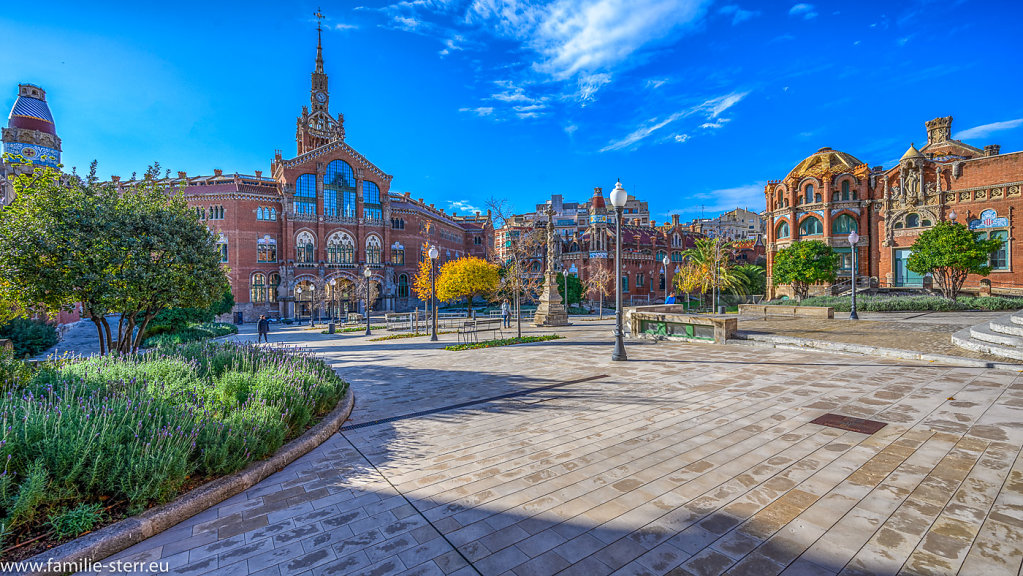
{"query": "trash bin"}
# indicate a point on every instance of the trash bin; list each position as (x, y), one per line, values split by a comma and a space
(721, 309)
(330, 328)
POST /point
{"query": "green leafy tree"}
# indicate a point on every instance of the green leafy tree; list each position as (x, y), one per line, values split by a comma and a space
(575, 288)
(804, 264)
(752, 279)
(950, 252)
(65, 240)
(709, 267)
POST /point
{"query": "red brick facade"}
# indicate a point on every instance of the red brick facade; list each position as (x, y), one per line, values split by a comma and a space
(832, 192)
(325, 215)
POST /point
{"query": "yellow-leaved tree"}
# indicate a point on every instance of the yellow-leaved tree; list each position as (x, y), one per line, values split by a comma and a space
(467, 277)
(421, 283)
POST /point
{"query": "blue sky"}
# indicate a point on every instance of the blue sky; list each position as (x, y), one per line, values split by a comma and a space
(691, 103)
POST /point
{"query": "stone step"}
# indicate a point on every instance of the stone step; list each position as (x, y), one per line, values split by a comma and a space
(1016, 317)
(964, 339)
(984, 333)
(1006, 325)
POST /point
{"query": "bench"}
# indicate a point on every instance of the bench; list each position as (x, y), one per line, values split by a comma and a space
(472, 328)
(765, 310)
(672, 322)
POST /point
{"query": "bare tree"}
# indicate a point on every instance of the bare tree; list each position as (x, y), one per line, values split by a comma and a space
(517, 258)
(600, 281)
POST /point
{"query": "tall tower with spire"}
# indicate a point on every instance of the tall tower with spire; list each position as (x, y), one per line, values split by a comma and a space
(317, 128)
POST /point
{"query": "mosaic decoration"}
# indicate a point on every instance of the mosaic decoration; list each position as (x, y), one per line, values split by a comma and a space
(837, 210)
(37, 155)
(598, 218)
(32, 108)
(598, 254)
(988, 219)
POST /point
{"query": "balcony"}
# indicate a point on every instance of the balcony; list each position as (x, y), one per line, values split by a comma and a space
(306, 264)
(341, 219)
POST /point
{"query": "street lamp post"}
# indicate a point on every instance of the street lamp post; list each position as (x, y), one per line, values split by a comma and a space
(618, 198)
(853, 239)
(367, 273)
(573, 271)
(333, 297)
(433, 254)
(298, 293)
(668, 284)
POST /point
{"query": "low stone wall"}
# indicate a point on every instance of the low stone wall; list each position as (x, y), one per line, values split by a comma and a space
(794, 311)
(672, 322)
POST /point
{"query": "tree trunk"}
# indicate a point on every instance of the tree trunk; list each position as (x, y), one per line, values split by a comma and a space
(601, 306)
(99, 332)
(469, 302)
(142, 330)
(109, 336)
(518, 313)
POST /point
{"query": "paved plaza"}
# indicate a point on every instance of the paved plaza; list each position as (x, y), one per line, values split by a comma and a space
(686, 460)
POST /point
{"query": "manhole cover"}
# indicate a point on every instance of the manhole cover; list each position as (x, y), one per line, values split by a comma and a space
(849, 423)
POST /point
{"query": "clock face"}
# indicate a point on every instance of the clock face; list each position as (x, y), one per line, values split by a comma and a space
(321, 97)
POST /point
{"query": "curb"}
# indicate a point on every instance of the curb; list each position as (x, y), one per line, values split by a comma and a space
(112, 539)
(790, 342)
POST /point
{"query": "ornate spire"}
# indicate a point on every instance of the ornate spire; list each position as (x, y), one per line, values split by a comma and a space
(319, 41)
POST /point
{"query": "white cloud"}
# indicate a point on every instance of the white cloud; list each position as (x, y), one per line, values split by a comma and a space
(452, 44)
(511, 92)
(738, 14)
(407, 23)
(481, 111)
(985, 130)
(588, 85)
(345, 27)
(462, 206)
(749, 196)
(571, 129)
(680, 138)
(711, 109)
(806, 11)
(719, 123)
(902, 41)
(530, 110)
(655, 83)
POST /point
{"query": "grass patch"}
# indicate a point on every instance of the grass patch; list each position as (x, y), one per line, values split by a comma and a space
(503, 342)
(82, 437)
(401, 336)
(192, 333)
(865, 303)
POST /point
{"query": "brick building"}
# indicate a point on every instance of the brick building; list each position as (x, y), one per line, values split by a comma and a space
(297, 241)
(831, 193)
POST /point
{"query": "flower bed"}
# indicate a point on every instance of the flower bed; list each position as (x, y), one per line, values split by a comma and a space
(192, 333)
(503, 342)
(409, 335)
(865, 303)
(88, 442)
(354, 329)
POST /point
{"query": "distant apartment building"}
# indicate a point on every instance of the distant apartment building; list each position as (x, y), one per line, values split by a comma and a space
(734, 225)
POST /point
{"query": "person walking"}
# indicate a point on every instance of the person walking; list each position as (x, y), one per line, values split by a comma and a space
(263, 329)
(506, 313)
(671, 298)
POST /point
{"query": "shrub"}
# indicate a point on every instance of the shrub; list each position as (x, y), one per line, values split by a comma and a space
(191, 333)
(71, 522)
(30, 337)
(866, 303)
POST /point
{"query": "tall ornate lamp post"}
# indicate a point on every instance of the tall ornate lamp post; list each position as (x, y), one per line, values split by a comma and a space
(952, 215)
(433, 254)
(573, 271)
(333, 297)
(668, 284)
(298, 294)
(367, 273)
(618, 198)
(853, 239)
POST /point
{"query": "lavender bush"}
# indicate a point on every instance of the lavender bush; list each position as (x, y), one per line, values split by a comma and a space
(134, 429)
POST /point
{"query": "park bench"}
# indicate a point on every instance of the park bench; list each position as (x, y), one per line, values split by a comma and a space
(472, 328)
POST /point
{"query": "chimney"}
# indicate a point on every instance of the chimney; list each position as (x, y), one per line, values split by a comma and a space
(653, 223)
(939, 130)
(182, 175)
(992, 149)
(674, 219)
(259, 174)
(431, 207)
(218, 172)
(477, 213)
(420, 200)
(115, 179)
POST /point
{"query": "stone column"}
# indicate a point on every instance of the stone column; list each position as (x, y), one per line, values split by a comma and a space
(551, 311)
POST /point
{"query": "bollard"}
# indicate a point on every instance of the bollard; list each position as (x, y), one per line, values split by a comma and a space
(330, 328)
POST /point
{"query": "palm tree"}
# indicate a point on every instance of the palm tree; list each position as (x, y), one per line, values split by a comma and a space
(708, 268)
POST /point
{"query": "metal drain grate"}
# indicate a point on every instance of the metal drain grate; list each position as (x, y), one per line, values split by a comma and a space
(470, 403)
(849, 423)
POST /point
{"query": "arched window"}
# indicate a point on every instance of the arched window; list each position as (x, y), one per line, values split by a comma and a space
(259, 213)
(371, 201)
(402, 285)
(222, 248)
(398, 254)
(844, 224)
(340, 249)
(676, 256)
(811, 227)
(305, 194)
(339, 184)
(373, 250)
(816, 197)
(778, 204)
(912, 221)
(809, 193)
(782, 231)
(305, 248)
(257, 289)
(845, 190)
(660, 256)
(266, 249)
(273, 283)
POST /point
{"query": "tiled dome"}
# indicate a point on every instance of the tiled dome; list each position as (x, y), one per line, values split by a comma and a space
(30, 111)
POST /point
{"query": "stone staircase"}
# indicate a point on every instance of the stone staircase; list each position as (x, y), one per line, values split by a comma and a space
(1002, 336)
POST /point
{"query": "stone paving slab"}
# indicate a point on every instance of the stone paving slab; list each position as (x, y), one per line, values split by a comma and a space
(686, 460)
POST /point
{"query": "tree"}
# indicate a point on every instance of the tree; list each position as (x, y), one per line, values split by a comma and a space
(600, 281)
(950, 251)
(752, 279)
(689, 279)
(421, 283)
(708, 268)
(467, 277)
(803, 264)
(65, 240)
(575, 288)
(360, 292)
(520, 252)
